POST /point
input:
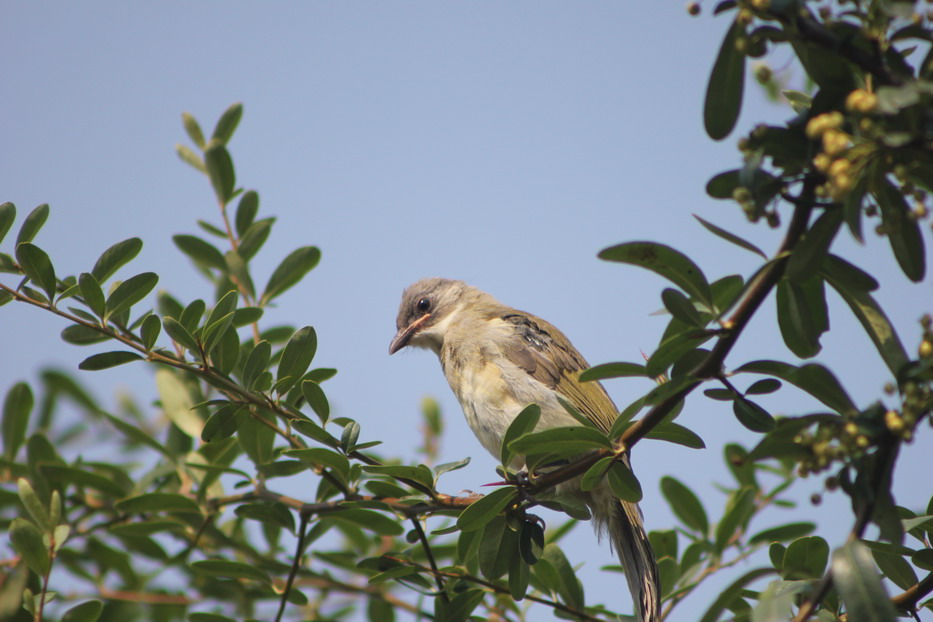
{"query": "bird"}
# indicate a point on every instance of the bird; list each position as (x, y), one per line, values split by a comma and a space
(498, 360)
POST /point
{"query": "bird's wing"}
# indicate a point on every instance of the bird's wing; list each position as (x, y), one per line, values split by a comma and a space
(547, 356)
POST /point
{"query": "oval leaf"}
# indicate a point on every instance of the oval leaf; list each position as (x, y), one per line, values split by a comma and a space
(105, 360)
(130, 291)
(16, 409)
(296, 357)
(32, 224)
(726, 86)
(230, 570)
(666, 261)
(481, 511)
(685, 505)
(37, 266)
(115, 257)
(158, 502)
(292, 269)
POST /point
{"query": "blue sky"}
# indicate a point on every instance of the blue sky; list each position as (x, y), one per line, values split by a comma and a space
(501, 143)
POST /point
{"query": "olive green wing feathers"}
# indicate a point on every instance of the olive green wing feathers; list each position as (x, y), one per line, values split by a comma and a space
(548, 356)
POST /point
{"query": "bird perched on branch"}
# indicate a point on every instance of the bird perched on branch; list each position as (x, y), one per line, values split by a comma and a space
(498, 360)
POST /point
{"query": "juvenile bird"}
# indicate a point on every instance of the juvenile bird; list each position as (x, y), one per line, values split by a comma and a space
(498, 360)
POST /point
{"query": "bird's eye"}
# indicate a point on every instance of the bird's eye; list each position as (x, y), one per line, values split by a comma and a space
(424, 305)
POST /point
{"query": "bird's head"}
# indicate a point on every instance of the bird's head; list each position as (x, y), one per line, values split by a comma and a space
(427, 308)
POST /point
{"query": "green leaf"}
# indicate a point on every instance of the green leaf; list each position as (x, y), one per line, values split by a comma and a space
(419, 474)
(859, 585)
(318, 456)
(88, 611)
(27, 541)
(292, 269)
(666, 261)
(32, 224)
(256, 363)
(37, 266)
(680, 307)
(230, 570)
(193, 129)
(178, 400)
(612, 370)
(673, 349)
(129, 292)
(923, 559)
(85, 479)
(225, 353)
(92, 294)
(751, 415)
(841, 271)
(676, 433)
(136, 435)
(276, 514)
(685, 505)
(726, 85)
(369, 520)
(732, 593)
(33, 505)
(246, 315)
(783, 533)
(763, 386)
(223, 423)
(725, 235)
(246, 211)
(808, 256)
(81, 335)
(115, 257)
(254, 238)
(158, 502)
(220, 171)
(296, 357)
(220, 318)
(623, 483)
(16, 409)
(7, 216)
(569, 587)
(519, 576)
(722, 185)
(813, 378)
(594, 475)
(227, 123)
(483, 510)
(873, 320)
(189, 157)
(105, 360)
(738, 510)
(796, 320)
(447, 467)
(179, 334)
(150, 330)
(200, 251)
(895, 568)
(726, 291)
(522, 424)
(903, 231)
(568, 439)
(805, 558)
(496, 545)
(315, 397)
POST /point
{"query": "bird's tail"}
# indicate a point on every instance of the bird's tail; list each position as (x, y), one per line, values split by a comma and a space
(627, 533)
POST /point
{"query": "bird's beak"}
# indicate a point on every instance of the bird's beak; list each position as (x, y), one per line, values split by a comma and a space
(404, 335)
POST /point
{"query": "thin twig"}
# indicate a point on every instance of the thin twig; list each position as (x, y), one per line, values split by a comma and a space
(430, 555)
(296, 563)
(500, 590)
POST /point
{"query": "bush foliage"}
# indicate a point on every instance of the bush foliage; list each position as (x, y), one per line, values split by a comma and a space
(184, 522)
